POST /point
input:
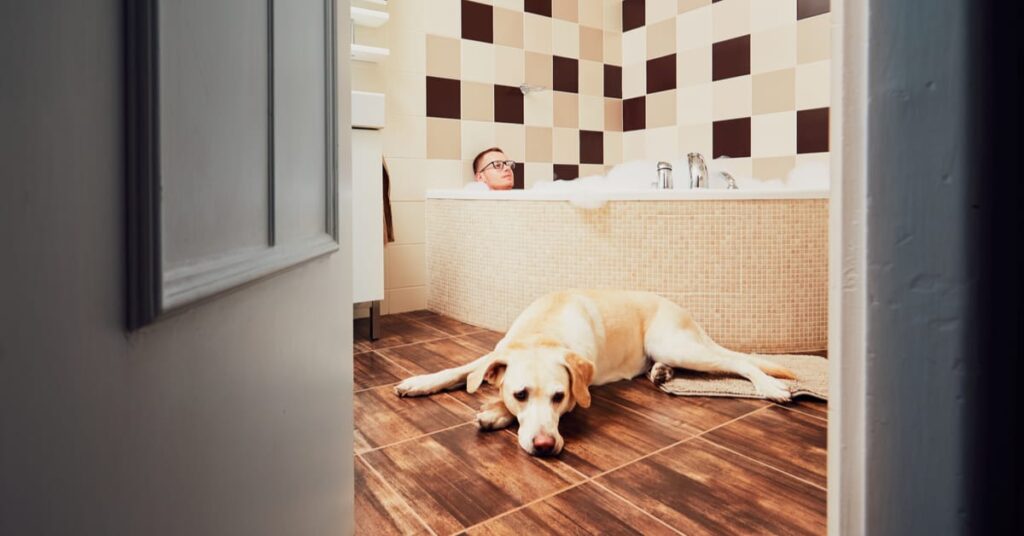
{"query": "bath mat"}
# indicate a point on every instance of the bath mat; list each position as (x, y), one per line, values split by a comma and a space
(811, 373)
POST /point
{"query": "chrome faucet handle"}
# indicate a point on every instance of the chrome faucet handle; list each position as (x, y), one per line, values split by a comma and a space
(730, 182)
(698, 171)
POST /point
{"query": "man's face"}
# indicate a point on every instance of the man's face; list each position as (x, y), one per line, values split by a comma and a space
(494, 173)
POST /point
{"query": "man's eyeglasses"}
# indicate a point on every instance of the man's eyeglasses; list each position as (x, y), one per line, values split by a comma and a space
(500, 164)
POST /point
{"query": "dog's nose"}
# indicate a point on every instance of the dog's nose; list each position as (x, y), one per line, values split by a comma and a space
(543, 444)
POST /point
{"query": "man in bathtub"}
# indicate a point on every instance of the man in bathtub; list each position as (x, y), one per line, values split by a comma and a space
(491, 168)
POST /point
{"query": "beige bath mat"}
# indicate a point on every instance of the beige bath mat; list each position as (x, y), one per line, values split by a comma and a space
(811, 373)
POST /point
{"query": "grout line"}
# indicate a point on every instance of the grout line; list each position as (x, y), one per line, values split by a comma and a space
(803, 412)
(772, 467)
(401, 497)
(435, 339)
(521, 507)
(408, 439)
(627, 501)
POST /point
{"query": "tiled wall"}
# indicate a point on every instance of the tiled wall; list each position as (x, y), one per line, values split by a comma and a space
(747, 79)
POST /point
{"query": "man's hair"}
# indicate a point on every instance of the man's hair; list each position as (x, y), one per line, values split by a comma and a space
(476, 161)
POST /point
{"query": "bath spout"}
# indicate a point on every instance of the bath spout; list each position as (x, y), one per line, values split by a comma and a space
(698, 171)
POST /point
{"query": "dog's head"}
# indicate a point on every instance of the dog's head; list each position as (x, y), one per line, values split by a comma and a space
(538, 385)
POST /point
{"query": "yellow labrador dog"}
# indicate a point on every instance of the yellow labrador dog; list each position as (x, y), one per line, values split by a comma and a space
(567, 341)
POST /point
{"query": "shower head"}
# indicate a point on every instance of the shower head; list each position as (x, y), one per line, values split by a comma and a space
(526, 88)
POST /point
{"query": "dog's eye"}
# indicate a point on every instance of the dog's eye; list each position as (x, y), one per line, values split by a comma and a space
(557, 397)
(520, 395)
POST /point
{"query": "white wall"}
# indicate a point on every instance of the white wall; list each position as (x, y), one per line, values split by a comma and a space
(234, 417)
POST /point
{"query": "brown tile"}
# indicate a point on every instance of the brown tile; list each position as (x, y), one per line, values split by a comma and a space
(691, 413)
(538, 144)
(508, 104)
(566, 172)
(394, 331)
(443, 98)
(591, 44)
(565, 73)
(461, 477)
(810, 8)
(661, 74)
(432, 356)
(508, 28)
(538, 69)
(379, 509)
(591, 509)
(613, 115)
(540, 7)
(477, 21)
(634, 113)
(486, 340)
(371, 370)
(812, 131)
(445, 324)
(613, 81)
(604, 436)
(699, 488)
(382, 418)
(730, 58)
(810, 406)
(731, 138)
(632, 14)
(565, 10)
(591, 147)
(566, 107)
(519, 176)
(786, 440)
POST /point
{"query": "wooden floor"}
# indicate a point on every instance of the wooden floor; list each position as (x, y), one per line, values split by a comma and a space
(637, 461)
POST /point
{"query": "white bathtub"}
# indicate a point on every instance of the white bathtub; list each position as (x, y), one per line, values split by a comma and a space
(750, 265)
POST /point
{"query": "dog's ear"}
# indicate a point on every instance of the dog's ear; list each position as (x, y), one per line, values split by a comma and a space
(581, 372)
(493, 370)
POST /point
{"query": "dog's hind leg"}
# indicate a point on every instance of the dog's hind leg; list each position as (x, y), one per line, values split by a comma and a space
(660, 373)
(428, 384)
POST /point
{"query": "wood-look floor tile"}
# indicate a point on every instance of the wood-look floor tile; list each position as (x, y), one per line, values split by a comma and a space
(380, 510)
(394, 330)
(432, 356)
(695, 414)
(784, 439)
(699, 488)
(585, 509)
(382, 418)
(446, 324)
(810, 406)
(371, 370)
(485, 339)
(460, 477)
(605, 436)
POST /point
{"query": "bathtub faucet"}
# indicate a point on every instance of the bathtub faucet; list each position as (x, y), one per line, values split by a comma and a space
(698, 171)
(664, 176)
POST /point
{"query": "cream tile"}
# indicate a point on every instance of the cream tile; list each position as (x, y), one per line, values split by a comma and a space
(591, 78)
(737, 167)
(508, 66)
(765, 14)
(730, 18)
(367, 77)
(814, 39)
(773, 134)
(476, 136)
(537, 33)
(538, 69)
(567, 10)
(514, 5)
(612, 15)
(591, 13)
(612, 47)
(566, 146)
(661, 109)
(612, 148)
(684, 6)
(634, 80)
(536, 172)
(658, 10)
(732, 98)
(694, 104)
(813, 85)
(444, 57)
(819, 159)
(565, 38)
(407, 52)
(774, 168)
(591, 44)
(693, 29)
(401, 300)
(404, 16)
(406, 266)
(512, 139)
(444, 18)
(774, 49)
(661, 38)
(444, 138)
(538, 144)
(588, 170)
(634, 145)
(591, 112)
(612, 115)
(405, 136)
(538, 108)
(508, 27)
(663, 143)
(412, 177)
(567, 109)
(408, 220)
(775, 91)
(634, 46)
(696, 139)
(477, 101)
(407, 94)
(477, 61)
(693, 67)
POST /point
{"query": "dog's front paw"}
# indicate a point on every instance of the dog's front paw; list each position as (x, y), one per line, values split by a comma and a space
(775, 390)
(493, 420)
(661, 373)
(415, 386)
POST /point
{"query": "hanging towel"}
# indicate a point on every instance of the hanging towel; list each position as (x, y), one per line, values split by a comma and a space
(389, 231)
